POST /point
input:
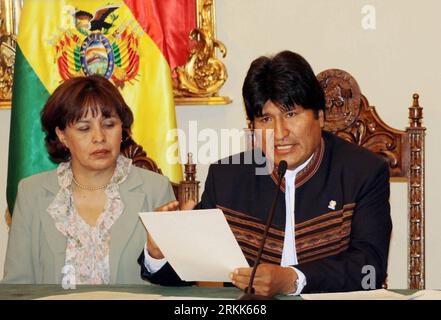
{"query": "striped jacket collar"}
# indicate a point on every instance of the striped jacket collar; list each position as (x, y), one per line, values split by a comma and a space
(306, 173)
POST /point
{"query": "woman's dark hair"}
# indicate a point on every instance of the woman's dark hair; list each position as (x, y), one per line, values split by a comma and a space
(72, 100)
(286, 80)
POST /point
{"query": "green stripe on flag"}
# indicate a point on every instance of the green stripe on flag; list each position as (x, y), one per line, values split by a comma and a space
(27, 151)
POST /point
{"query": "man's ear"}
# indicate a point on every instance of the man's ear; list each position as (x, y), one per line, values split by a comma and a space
(250, 124)
(61, 136)
(321, 117)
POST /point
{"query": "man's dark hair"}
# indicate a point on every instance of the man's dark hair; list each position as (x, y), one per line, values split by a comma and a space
(72, 100)
(286, 80)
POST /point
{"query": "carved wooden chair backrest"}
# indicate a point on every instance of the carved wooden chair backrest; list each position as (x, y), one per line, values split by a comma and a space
(349, 116)
(188, 189)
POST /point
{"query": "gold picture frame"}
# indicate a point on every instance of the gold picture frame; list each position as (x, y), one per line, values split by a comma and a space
(197, 82)
(9, 17)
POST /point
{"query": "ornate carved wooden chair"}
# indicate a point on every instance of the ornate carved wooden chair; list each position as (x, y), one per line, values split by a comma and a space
(349, 116)
(188, 189)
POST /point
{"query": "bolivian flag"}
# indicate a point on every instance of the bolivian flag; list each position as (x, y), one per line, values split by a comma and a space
(120, 40)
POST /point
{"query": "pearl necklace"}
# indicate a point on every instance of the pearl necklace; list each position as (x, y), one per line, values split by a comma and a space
(88, 188)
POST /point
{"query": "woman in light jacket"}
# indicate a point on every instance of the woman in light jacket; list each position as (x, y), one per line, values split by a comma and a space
(81, 219)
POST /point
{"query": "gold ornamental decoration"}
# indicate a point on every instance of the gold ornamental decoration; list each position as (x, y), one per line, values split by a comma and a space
(200, 79)
(9, 17)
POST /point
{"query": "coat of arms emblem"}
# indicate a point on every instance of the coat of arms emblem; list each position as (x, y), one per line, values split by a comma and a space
(96, 44)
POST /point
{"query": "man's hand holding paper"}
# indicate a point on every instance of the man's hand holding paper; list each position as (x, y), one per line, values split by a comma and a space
(198, 244)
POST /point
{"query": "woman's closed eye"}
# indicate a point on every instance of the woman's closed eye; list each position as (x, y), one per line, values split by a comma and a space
(83, 128)
(109, 124)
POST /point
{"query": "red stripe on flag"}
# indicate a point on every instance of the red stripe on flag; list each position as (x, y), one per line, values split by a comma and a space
(168, 23)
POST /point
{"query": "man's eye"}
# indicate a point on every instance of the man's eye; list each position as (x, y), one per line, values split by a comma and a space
(290, 114)
(265, 119)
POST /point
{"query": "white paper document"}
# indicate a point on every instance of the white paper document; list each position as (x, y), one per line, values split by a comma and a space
(102, 295)
(198, 244)
(426, 295)
(115, 295)
(380, 294)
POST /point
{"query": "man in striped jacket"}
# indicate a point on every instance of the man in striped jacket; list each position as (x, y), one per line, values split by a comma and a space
(331, 227)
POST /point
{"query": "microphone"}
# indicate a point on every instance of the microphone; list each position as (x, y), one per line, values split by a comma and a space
(249, 291)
